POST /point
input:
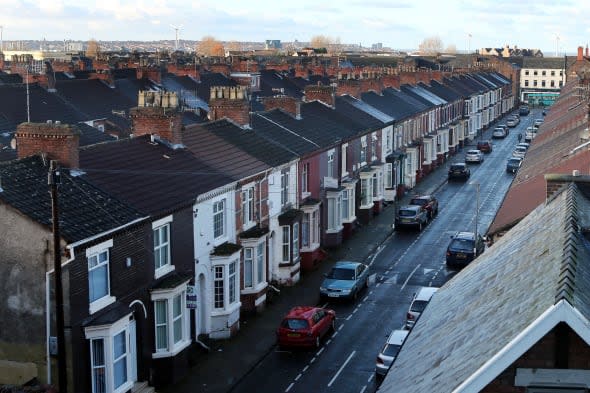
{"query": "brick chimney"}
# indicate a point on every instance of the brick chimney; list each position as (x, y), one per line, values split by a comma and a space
(325, 94)
(289, 104)
(230, 102)
(152, 73)
(105, 76)
(157, 114)
(556, 182)
(352, 87)
(580, 53)
(59, 141)
(371, 84)
(587, 53)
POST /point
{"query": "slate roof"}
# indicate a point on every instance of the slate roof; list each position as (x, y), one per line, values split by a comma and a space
(97, 100)
(43, 106)
(84, 210)
(262, 153)
(90, 135)
(345, 101)
(544, 62)
(395, 103)
(442, 91)
(273, 83)
(554, 150)
(152, 177)
(539, 271)
(207, 142)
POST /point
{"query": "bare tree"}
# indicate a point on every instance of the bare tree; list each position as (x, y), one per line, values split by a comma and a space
(451, 49)
(93, 49)
(331, 44)
(209, 46)
(431, 46)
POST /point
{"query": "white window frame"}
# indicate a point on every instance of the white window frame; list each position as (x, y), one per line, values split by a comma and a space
(305, 171)
(295, 246)
(363, 153)
(330, 170)
(157, 226)
(219, 283)
(374, 140)
(232, 282)
(230, 300)
(334, 213)
(311, 220)
(248, 211)
(366, 190)
(96, 251)
(344, 156)
(107, 333)
(258, 249)
(349, 208)
(286, 244)
(219, 209)
(249, 261)
(169, 295)
(388, 140)
(285, 187)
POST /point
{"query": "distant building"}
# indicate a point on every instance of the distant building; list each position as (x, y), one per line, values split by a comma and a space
(273, 44)
(507, 51)
(377, 46)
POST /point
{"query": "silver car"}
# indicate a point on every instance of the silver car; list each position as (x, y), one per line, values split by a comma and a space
(389, 352)
(474, 155)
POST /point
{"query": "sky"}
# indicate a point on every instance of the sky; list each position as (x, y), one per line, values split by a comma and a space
(550, 25)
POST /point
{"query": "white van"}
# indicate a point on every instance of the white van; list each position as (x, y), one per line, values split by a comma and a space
(419, 303)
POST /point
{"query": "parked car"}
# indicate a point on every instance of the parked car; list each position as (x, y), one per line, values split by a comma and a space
(419, 303)
(305, 326)
(474, 155)
(530, 134)
(389, 352)
(511, 122)
(524, 110)
(485, 146)
(523, 144)
(428, 203)
(513, 164)
(459, 170)
(519, 152)
(505, 127)
(345, 280)
(464, 248)
(499, 133)
(544, 113)
(411, 216)
(538, 123)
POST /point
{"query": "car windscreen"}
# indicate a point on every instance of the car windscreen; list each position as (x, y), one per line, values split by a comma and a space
(391, 350)
(341, 274)
(406, 213)
(461, 245)
(295, 324)
(418, 305)
(457, 167)
(513, 162)
(418, 201)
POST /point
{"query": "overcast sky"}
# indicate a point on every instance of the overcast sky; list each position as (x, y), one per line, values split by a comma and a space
(399, 24)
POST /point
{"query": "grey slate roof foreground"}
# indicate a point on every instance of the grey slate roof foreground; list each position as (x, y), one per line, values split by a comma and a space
(85, 210)
(535, 276)
(151, 177)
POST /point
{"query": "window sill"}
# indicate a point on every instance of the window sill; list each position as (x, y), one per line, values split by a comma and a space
(313, 247)
(366, 206)
(226, 311)
(253, 290)
(335, 230)
(168, 354)
(101, 303)
(349, 220)
(305, 194)
(164, 270)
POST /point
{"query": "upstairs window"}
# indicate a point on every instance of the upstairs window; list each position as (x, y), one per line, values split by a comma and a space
(331, 163)
(284, 187)
(99, 287)
(248, 207)
(305, 178)
(219, 218)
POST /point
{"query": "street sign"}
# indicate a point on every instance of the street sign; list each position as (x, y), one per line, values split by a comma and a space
(191, 296)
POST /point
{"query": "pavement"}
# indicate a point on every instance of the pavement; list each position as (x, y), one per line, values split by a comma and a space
(227, 362)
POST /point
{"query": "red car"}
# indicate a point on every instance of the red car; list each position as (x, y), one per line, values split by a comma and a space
(428, 203)
(305, 326)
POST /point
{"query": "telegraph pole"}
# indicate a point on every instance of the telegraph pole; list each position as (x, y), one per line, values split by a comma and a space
(53, 181)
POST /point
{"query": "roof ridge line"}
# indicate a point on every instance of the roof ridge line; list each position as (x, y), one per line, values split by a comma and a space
(569, 261)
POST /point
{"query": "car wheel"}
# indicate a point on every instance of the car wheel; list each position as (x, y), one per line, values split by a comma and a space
(355, 295)
(333, 325)
(318, 342)
(420, 227)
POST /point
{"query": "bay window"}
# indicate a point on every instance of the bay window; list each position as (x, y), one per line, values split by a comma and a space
(334, 200)
(286, 244)
(310, 227)
(248, 267)
(366, 190)
(348, 202)
(295, 241)
(171, 320)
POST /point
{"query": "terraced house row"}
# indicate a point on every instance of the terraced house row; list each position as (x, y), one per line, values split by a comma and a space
(213, 191)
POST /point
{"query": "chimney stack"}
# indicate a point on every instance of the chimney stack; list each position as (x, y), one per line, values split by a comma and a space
(580, 53)
(289, 104)
(157, 114)
(587, 53)
(325, 94)
(231, 103)
(59, 141)
(556, 182)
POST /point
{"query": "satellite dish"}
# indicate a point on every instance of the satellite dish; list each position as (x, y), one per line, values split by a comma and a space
(13, 143)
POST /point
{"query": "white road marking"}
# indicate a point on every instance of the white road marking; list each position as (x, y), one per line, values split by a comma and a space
(305, 369)
(318, 353)
(377, 284)
(312, 360)
(297, 377)
(363, 389)
(370, 378)
(334, 335)
(329, 341)
(290, 386)
(348, 317)
(341, 368)
(410, 276)
(340, 327)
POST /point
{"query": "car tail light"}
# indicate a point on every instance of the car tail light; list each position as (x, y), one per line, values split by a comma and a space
(410, 316)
